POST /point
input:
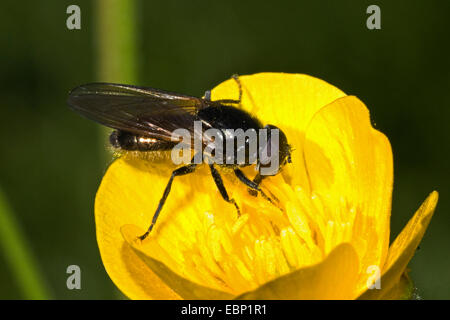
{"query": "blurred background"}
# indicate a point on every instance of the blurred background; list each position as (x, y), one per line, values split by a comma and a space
(52, 160)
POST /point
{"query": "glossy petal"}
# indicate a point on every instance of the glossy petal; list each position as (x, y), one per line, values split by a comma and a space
(404, 247)
(333, 278)
(350, 168)
(185, 288)
(288, 101)
(130, 274)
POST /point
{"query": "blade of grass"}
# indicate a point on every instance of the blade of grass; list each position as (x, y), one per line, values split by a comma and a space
(18, 255)
(116, 38)
(117, 53)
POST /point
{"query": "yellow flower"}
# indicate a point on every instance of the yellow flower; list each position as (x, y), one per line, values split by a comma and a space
(328, 242)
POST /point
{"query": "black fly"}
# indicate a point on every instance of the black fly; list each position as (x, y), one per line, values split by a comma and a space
(144, 119)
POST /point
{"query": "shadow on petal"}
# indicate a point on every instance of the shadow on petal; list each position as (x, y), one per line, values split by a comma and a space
(146, 284)
(185, 288)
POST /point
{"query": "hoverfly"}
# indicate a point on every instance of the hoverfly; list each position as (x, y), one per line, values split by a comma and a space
(145, 118)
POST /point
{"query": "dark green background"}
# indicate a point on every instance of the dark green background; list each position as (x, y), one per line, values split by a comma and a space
(50, 163)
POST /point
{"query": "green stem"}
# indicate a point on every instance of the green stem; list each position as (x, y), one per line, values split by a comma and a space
(116, 38)
(18, 255)
(117, 53)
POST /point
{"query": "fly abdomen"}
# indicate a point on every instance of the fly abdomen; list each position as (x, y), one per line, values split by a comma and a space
(123, 140)
(131, 142)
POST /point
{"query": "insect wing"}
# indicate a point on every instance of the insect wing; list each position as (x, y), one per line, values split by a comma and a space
(140, 110)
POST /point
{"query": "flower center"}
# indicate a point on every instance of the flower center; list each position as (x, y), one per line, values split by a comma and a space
(237, 254)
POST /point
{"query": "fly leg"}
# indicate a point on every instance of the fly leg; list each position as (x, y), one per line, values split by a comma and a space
(228, 101)
(236, 78)
(254, 187)
(219, 183)
(222, 101)
(177, 172)
(257, 180)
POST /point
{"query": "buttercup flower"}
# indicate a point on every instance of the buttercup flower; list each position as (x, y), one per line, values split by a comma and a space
(330, 240)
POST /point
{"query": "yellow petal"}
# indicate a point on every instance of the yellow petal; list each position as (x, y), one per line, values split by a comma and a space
(185, 288)
(128, 195)
(402, 290)
(404, 247)
(129, 273)
(350, 168)
(333, 278)
(288, 101)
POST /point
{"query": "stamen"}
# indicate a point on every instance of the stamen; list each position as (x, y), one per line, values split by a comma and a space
(239, 254)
